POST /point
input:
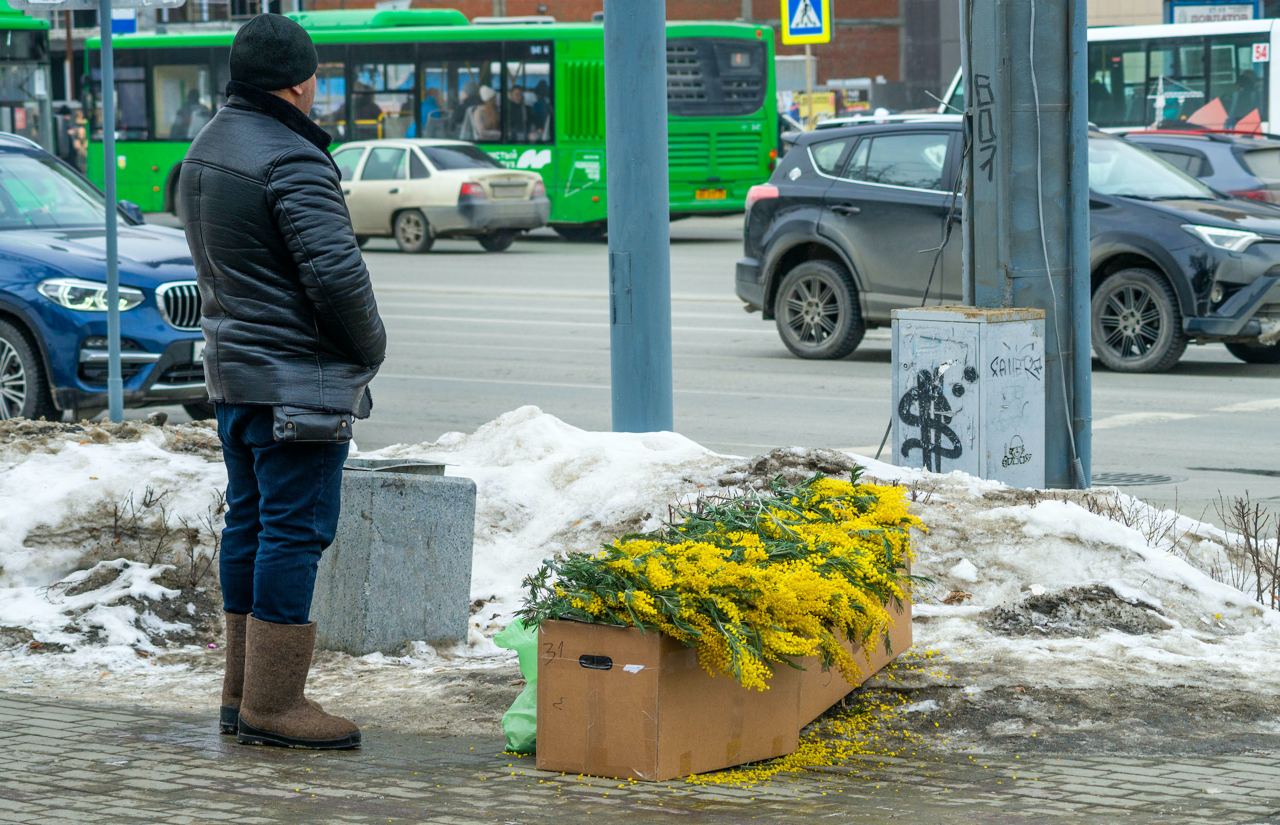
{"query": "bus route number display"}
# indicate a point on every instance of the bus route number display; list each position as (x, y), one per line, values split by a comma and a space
(806, 21)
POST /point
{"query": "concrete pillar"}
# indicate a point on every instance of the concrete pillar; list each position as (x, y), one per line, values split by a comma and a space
(399, 569)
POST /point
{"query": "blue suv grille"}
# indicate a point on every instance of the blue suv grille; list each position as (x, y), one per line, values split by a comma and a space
(180, 302)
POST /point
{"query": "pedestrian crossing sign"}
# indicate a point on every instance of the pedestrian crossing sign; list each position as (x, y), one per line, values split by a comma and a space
(806, 21)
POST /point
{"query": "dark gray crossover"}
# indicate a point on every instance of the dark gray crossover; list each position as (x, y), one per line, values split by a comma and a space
(854, 223)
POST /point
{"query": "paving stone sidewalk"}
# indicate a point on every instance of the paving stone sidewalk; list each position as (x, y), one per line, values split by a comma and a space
(70, 763)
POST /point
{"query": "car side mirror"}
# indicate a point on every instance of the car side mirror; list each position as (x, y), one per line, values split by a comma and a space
(132, 211)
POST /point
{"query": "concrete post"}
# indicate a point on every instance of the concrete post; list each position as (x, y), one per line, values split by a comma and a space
(399, 569)
(1027, 213)
(635, 58)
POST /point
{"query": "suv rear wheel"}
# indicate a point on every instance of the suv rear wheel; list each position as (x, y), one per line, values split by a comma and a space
(817, 311)
(1136, 323)
(1256, 353)
(24, 388)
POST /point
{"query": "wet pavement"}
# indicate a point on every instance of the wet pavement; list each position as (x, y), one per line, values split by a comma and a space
(70, 763)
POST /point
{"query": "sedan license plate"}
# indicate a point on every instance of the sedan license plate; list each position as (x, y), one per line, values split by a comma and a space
(710, 194)
(197, 352)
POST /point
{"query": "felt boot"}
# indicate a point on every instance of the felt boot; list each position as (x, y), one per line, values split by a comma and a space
(233, 674)
(274, 710)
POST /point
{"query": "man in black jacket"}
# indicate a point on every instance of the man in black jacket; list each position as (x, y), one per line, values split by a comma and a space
(293, 339)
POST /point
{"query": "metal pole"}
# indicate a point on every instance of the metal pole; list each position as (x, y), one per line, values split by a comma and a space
(115, 383)
(1027, 219)
(68, 91)
(1081, 280)
(808, 86)
(635, 57)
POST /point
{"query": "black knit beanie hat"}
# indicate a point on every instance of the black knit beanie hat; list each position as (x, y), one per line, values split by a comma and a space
(272, 52)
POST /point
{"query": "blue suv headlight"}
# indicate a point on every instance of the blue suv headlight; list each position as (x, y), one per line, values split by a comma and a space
(86, 296)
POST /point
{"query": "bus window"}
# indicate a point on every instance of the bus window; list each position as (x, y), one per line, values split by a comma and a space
(181, 93)
(382, 93)
(1175, 88)
(1117, 84)
(131, 96)
(1208, 82)
(460, 93)
(1236, 80)
(526, 113)
(486, 117)
(24, 71)
(330, 107)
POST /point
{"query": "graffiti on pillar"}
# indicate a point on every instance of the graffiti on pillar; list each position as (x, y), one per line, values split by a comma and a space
(925, 406)
(984, 99)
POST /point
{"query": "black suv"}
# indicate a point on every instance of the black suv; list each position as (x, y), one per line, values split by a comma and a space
(849, 225)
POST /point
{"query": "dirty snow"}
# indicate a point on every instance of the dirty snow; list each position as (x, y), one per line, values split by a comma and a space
(1038, 591)
(545, 487)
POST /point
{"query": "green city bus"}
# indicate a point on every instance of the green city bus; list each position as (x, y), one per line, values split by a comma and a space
(24, 76)
(424, 73)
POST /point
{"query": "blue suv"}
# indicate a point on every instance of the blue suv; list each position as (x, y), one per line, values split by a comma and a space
(53, 303)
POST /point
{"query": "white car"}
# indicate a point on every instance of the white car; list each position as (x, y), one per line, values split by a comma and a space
(417, 190)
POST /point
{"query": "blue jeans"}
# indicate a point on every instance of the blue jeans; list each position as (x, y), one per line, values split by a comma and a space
(282, 512)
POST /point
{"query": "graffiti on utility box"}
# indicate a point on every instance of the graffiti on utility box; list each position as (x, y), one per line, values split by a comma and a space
(925, 406)
(968, 392)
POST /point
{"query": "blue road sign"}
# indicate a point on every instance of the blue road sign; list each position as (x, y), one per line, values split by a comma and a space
(806, 21)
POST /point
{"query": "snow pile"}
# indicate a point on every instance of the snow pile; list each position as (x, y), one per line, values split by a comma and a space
(545, 487)
(1023, 588)
(67, 493)
(1049, 593)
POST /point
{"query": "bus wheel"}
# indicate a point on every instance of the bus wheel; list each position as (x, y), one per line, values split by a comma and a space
(413, 233)
(582, 232)
(498, 241)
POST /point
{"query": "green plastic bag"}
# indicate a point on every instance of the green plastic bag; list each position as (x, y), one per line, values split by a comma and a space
(520, 722)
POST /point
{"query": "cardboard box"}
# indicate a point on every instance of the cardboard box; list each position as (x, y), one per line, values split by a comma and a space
(618, 702)
(820, 689)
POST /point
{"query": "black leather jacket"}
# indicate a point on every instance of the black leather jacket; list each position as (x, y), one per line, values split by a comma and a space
(287, 308)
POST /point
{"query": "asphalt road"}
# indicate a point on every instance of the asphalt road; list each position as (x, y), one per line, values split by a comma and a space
(474, 334)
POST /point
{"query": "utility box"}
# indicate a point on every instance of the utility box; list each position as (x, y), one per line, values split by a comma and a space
(968, 392)
(399, 569)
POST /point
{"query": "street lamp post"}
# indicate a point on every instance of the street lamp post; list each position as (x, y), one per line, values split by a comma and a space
(115, 378)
